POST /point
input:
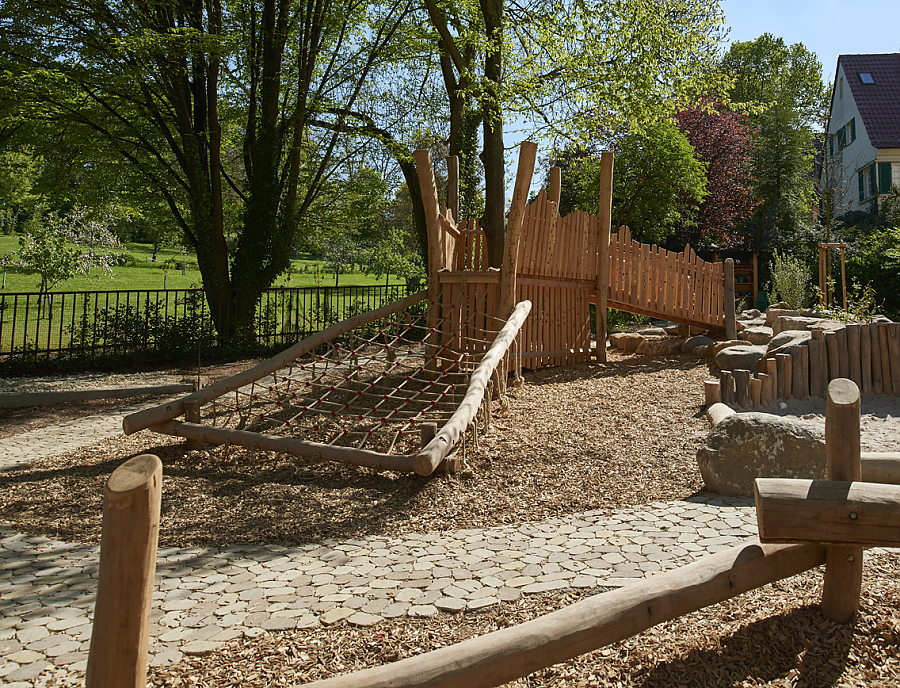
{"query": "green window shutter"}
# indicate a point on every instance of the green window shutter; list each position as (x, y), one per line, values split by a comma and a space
(884, 177)
(860, 177)
(873, 186)
(852, 129)
(831, 145)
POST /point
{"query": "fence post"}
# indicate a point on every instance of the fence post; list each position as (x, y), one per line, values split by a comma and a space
(730, 324)
(121, 632)
(604, 226)
(843, 563)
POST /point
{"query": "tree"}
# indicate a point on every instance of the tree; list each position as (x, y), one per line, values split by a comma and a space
(782, 88)
(722, 141)
(202, 96)
(570, 68)
(657, 187)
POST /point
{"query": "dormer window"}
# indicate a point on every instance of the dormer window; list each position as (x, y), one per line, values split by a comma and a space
(866, 78)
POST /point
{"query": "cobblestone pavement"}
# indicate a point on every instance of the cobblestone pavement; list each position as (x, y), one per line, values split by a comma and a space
(206, 596)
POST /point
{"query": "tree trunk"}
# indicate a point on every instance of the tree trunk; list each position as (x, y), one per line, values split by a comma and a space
(494, 164)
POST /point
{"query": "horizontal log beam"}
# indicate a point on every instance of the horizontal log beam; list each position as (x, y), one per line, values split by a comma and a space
(295, 447)
(837, 512)
(29, 399)
(511, 653)
(671, 317)
(881, 467)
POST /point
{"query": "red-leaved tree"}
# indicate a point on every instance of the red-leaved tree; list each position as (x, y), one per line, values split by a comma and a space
(723, 140)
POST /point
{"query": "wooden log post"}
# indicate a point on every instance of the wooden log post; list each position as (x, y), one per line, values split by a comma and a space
(755, 391)
(428, 188)
(796, 372)
(427, 431)
(712, 392)
(192, 415)
(742, 388)
(785, 375)
(886, 385)
(716, 413)
(780, 374)
(728, 291)
(816, 383)
(765, 391)
(893, 337)
(527, 156)
(854, 352)
(726, 387)
(865, 358)
(875, 341)
(604, 226)
(554, 193)
(453, 187)
(772, 372)
(834, 359)
(843, 563)
(819, 336)
(130, 532)
(843, 352)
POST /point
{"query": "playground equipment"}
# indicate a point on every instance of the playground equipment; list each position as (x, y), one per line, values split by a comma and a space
(868, 354)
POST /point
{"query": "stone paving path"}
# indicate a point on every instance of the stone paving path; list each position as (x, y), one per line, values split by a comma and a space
(207, 596)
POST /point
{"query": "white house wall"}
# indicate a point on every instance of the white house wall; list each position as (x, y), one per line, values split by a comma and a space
(857, 154)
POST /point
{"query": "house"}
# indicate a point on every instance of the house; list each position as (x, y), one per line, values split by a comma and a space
(863, 143)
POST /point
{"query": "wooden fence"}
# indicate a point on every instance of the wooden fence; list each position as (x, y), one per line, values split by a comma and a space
(650, 280)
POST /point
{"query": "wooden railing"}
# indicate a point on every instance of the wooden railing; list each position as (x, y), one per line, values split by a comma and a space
(650, 280)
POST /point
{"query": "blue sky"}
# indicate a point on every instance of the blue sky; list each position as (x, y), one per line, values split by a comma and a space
(825, 27)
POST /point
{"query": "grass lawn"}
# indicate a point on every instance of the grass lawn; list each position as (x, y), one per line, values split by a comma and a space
(166, 273)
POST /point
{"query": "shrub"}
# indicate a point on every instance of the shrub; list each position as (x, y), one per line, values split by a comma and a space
(791, 280)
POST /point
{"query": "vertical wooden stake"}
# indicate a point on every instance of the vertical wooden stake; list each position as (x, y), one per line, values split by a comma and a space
(730, 324)
(726, 387)
(886, 386)
(527, 156)
(121, 631)
(819, 336)
(854, 352)
(772, 372)
(712, 392)
(604, 226)
(453, 186)
(742, 388)
(834, 358)
(192, 415)
(843, 353)
(843, 564)
(432, 213)
(816, 383)
(554, 193)
(755, 391)
(765, 392)
(893, 339)
(865, 358)
(875, 341)
(796, 373)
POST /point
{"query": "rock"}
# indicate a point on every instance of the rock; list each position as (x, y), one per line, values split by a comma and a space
(774, 312)
(793, 322)
(617, 339)
(673, 330)
(690, 345)
(652, 332)
(749, 314)
(759, 335)
(739, 357)
(780, 343)
(826, 325)
(718, 346)
(656, 346)
(703, 351)
(746, 446)
(631, 343)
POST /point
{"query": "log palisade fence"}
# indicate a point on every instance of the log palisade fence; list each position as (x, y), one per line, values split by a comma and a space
(866, 353)
(563, 265)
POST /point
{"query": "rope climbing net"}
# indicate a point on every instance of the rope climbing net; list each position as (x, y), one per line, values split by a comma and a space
(372, 388)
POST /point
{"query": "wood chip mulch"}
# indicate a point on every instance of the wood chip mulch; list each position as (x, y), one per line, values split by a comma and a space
(588, 437)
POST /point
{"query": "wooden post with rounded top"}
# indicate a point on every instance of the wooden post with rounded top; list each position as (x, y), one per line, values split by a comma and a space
(453, 186)
(843, 563)
(524, 173)
(604, 226)
(425, 172)
(121, 632)
(730, 322)
(554, 193)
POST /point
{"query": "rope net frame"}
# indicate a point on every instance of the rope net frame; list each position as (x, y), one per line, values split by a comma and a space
(362, 396)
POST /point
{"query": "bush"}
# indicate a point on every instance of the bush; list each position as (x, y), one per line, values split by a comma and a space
(791, 280)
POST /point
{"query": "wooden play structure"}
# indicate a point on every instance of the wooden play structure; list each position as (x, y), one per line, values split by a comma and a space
(563, 265)
(826, 297)
(372, 390)
(866, 353)
(802, 524)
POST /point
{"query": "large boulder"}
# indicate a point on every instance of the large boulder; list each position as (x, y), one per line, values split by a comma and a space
(739, 357)
(652, 332)
(718, 346)
(774, 312)
(659, 346)
(758, 335)
(746, 446)
(690, 345)
(793, 322)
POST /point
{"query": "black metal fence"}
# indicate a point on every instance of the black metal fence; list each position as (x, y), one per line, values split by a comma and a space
(158, 325)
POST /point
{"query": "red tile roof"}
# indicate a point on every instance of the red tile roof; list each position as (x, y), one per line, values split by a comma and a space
(878, 102)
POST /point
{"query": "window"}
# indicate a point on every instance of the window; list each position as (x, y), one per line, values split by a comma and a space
(866, 78)
(884, 177)
(852, 127)
(842, 137)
